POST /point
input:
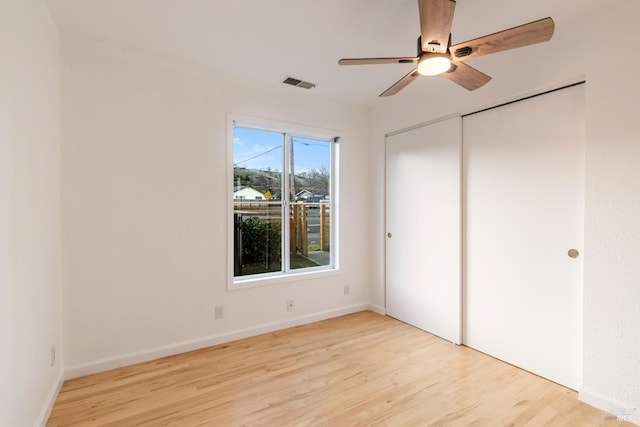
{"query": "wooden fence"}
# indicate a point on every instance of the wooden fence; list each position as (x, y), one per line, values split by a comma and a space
(301, 214)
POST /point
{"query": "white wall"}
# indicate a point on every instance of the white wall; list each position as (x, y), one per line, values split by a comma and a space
(144, 180)
(598, 51)
(30, 277)
(612, 220)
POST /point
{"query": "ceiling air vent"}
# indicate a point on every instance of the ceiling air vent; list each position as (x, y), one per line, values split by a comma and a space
(299, 83)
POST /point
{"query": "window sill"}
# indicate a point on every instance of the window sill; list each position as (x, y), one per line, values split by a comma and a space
(279, 278)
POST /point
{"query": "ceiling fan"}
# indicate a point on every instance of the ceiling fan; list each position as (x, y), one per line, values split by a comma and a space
(436, 55)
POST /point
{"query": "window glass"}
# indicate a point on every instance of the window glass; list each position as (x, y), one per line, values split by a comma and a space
(310, 196)
(281, 203)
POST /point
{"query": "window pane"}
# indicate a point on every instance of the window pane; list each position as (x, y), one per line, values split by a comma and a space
(310, 186)
(257, 237)
(257, 200)
(257, 164)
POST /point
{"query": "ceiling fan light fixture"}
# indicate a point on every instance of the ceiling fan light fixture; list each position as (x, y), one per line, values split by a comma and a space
(433, 64)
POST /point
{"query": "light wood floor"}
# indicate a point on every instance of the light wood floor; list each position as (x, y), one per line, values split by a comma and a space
(361, 369)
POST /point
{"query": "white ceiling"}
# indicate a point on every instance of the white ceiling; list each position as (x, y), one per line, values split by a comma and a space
(269, 40)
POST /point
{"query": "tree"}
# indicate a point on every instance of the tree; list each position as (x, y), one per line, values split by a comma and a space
(317, 181)
(261, 242)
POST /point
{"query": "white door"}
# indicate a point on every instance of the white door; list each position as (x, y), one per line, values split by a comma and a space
(423, 228)
(523, 192)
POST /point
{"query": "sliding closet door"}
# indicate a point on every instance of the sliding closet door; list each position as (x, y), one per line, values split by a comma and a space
(523, 196)
(423, 228)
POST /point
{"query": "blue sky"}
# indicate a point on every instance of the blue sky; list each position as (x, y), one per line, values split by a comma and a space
(259, 149)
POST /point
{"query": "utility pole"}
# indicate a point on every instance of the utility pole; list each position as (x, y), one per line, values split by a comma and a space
(292, 172)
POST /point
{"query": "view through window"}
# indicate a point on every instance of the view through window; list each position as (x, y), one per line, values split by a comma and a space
(281, 202)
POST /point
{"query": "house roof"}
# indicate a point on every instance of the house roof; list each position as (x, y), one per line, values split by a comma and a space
(242, 187)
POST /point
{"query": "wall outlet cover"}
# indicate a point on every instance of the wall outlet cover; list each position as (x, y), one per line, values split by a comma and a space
(219, 311)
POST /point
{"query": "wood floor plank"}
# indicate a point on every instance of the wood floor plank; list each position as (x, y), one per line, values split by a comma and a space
(362, 369)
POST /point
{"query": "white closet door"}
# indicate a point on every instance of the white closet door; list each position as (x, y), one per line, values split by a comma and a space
(423, 225)
(524, 196)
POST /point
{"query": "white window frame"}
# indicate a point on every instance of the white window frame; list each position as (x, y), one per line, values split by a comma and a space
(286, 275)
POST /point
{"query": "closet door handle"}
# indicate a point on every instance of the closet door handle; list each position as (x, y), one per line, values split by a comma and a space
(573, 253)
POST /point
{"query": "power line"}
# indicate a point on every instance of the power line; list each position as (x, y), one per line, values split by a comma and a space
(259, 155)
(303, 142)
(276, 147)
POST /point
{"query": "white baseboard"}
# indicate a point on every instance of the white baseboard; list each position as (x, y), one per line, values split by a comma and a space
(378, 309)
(196, 344)
(49, 402)
(616, 410)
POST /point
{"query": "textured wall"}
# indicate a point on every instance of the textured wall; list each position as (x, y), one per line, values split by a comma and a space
(612, 226)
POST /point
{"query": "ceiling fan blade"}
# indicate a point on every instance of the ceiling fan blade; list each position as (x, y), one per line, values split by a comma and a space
(436, 17)
(368, 61)
(467, 76)
(523, 35)
(401, 84)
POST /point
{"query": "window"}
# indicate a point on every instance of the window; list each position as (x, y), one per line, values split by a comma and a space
(283, 204)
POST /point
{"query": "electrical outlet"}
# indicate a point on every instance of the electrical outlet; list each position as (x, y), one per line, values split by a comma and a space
(219, 311)
(346, 290)
(290, 305)
(53, 355)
